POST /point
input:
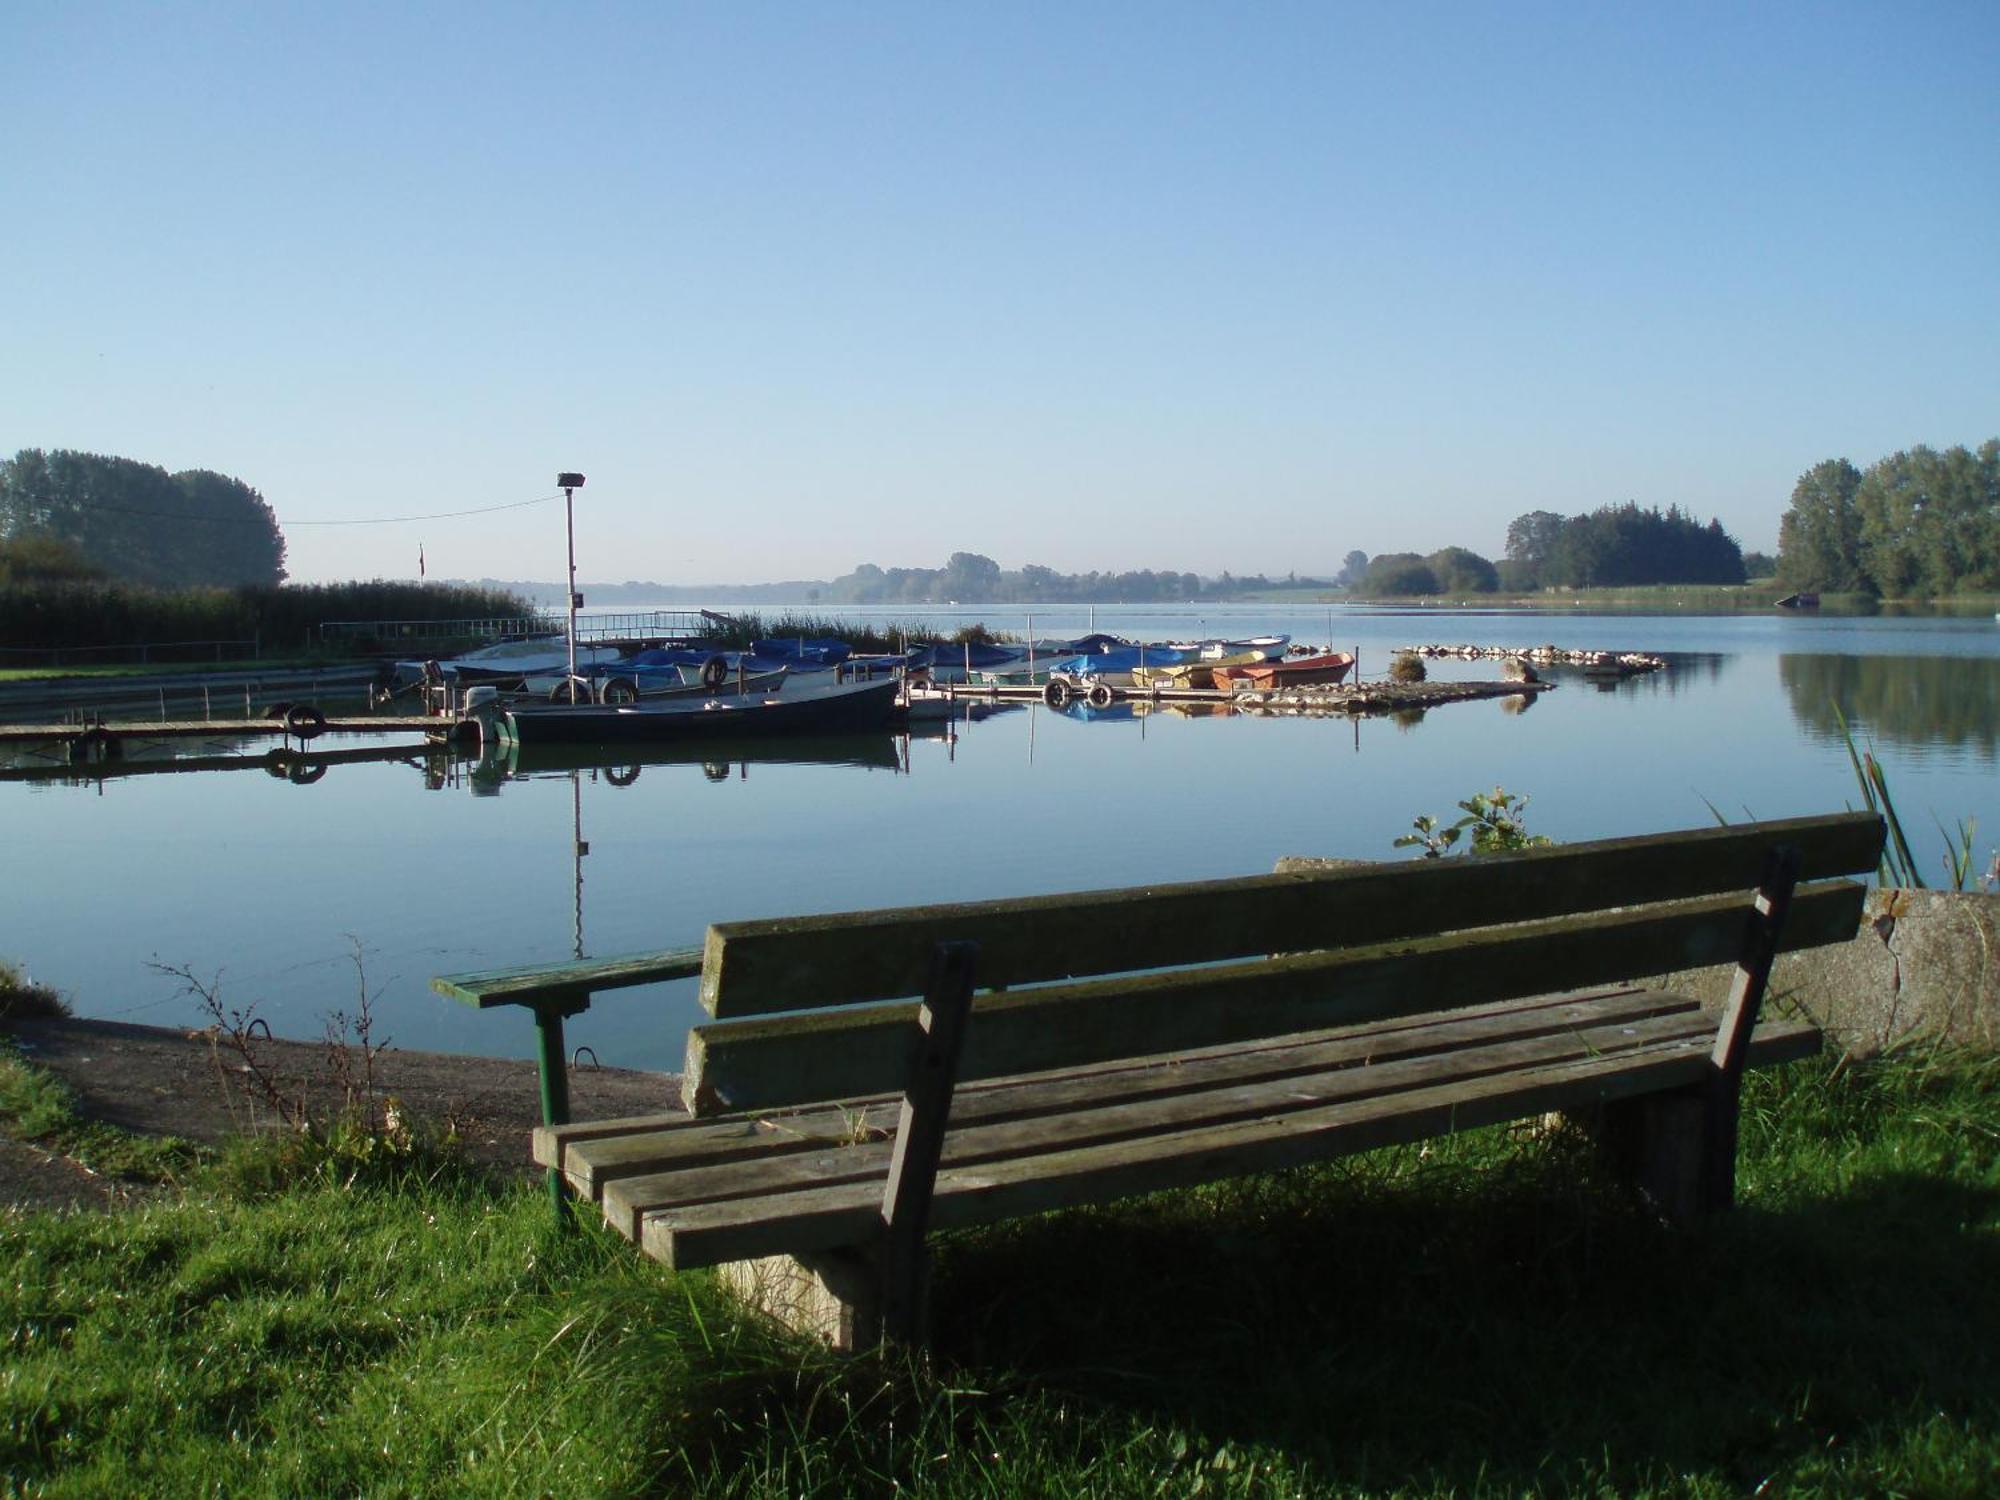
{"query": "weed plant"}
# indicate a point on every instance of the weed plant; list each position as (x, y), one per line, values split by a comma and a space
(1482, 1316)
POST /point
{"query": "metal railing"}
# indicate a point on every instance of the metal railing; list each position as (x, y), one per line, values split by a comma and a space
(654, 624)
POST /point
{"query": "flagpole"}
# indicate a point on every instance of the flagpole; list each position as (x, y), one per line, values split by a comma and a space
(570, 484)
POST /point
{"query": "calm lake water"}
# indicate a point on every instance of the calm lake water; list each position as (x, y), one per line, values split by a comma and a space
(434, 867)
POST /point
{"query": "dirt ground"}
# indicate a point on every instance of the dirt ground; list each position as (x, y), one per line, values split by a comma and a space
(163, 1081)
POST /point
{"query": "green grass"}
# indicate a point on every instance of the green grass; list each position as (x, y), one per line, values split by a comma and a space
(36, 1107)
(114, 671)
(1480, 1317)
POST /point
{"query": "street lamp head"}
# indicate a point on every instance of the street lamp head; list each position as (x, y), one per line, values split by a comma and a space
(569, 481)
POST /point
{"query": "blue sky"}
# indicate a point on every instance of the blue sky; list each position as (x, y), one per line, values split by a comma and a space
(1092, 285)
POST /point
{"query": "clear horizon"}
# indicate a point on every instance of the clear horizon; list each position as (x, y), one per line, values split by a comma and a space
(1095, 286)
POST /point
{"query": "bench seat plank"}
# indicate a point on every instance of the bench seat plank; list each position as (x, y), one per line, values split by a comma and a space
(849, 1213)
(594, 1154)
(1197, 1098)
(762, 1064)
(1111, 1116)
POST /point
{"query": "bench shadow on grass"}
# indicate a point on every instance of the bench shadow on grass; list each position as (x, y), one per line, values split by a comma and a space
(1504, 1328)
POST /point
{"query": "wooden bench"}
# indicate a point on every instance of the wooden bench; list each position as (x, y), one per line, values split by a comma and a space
(1127, 1041)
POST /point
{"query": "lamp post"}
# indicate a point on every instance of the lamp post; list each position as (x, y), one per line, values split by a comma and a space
(569, 484)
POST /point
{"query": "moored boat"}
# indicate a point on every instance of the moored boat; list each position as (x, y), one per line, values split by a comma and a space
(1286, 672)
(818, 707)
(505, 663)
(1192, 674)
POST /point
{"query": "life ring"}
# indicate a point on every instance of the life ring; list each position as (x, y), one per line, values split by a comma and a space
(1100, 695)
(305, 721)
(714, 672)
(1057, 694)
(618, 690)
(570, 690)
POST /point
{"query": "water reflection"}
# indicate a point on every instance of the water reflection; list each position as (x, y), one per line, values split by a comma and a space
(718, 760)
(91, 765)
(1918, 703)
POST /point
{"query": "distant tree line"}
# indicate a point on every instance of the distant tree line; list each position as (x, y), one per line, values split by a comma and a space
(137, 523)
(1613, 546)
(969, 578)
(1450, 571)
(1919, 523)
(1616, 546)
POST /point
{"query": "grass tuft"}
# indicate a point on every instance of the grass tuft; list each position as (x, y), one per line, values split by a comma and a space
(21, 999)
(37, 1106)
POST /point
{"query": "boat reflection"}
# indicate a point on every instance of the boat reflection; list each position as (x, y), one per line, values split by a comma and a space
(718, 760)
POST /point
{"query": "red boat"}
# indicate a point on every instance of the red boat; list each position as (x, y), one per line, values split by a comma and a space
(1285, 672)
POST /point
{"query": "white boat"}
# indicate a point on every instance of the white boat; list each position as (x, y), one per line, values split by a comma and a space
(507, 662)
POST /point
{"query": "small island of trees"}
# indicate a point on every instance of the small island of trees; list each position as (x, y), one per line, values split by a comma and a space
(1611, 547)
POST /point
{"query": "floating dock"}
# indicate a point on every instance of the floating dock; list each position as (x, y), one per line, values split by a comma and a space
(1331, 698)
(107, 741)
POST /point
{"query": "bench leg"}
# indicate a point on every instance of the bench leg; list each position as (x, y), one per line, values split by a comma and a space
(833, 1295)
(1659, 1144)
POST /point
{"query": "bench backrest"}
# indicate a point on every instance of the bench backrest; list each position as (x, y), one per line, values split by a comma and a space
(818, 1008)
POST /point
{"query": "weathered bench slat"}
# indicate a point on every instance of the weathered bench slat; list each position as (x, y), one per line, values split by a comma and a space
(1108, 1118)
(797, 1223)
(595, 1155)
(762, 1064)
(781, 964)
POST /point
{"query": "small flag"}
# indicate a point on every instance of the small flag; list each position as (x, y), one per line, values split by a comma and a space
(420, 559)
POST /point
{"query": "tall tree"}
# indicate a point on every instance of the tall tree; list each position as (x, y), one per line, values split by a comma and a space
(1819, 538)
(1460, 571)
(138, 523)
(1532, 538)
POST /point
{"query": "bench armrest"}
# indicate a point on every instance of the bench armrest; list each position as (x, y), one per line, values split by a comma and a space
(567, 987)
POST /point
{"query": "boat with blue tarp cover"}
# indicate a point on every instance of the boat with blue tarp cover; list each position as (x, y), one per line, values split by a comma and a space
(828, 705)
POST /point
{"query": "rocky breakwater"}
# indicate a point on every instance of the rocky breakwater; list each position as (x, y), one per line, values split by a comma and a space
(1623, 663)
(1381, 697)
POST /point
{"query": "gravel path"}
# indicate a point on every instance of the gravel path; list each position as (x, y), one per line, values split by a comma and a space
(163, 1081)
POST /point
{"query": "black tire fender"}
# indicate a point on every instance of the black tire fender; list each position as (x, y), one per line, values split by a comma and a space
(1057, 693)
(305, 721)
(1100, 695)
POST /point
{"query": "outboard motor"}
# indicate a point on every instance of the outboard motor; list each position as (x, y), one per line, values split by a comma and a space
(482, 707)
